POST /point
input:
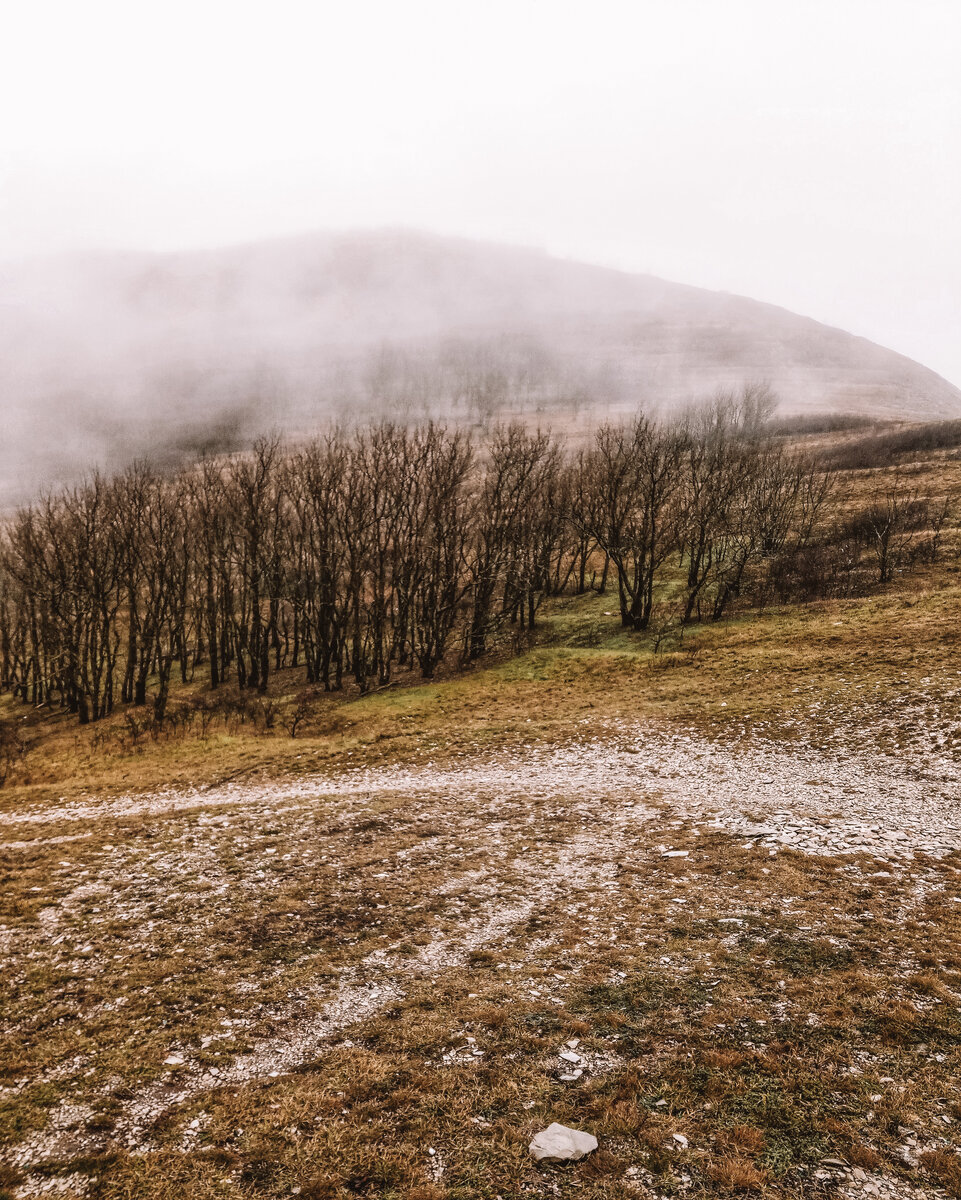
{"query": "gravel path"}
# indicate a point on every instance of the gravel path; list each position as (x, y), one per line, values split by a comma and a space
(605, 792)
(797, 796)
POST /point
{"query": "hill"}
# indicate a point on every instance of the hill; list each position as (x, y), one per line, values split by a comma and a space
(106, 356)
(697, 898)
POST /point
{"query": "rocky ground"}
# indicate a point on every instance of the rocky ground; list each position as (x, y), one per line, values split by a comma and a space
(735, 962)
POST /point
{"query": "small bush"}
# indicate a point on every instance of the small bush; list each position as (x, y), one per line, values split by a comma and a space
(945, 1166)
(815, 423)
(13, 747)
(736, 1174)
(299, 712)
(884, 449)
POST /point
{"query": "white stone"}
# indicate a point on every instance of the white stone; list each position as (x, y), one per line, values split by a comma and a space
(557, 1143)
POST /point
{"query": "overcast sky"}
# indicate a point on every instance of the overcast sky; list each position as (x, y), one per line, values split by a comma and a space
(800, 152)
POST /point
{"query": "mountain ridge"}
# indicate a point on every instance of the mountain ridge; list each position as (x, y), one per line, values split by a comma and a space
(107, 355)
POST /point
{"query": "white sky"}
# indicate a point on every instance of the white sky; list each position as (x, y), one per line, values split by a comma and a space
(798, 151)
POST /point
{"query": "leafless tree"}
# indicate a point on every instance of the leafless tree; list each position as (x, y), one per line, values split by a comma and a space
(386, 548)
(633, 506)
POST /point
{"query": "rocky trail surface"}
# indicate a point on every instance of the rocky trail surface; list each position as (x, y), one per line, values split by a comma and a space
(797, 797)
(475, 855)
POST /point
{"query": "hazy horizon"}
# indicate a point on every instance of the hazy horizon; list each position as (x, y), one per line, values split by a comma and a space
(801, 154)
(93, 251)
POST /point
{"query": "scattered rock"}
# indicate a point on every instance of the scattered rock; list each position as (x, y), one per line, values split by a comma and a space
(557, 1143)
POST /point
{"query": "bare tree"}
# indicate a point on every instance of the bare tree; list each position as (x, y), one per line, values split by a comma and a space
(634, 507)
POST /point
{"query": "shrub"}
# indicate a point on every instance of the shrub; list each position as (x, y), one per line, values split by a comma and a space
(884, 449)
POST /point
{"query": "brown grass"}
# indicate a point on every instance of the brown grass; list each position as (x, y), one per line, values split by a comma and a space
(822, 1025)
(945, 1166)
(736, 1174)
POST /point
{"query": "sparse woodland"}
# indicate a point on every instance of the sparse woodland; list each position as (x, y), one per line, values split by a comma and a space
(394, 549)
(677, 865)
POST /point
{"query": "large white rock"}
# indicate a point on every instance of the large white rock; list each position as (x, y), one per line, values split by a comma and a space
(557, 1143)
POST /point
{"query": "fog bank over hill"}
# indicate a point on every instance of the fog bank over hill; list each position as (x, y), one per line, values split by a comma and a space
(104, 357)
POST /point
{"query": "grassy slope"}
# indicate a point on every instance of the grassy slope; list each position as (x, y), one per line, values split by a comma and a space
(673, 1004)
(768, 672)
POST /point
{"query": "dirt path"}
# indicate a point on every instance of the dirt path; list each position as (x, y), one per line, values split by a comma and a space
(582, 809)
(804, 797)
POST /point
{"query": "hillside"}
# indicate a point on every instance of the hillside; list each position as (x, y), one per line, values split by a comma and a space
(698, 898)
(107, 356)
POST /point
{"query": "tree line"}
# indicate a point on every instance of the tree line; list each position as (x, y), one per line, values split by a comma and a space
(391, 549)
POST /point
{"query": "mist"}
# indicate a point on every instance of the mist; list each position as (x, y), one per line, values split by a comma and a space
(801, 153)
(108, 357)
(186, 207)
(480, 564)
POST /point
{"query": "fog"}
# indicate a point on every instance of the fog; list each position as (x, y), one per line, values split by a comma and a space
(107, 357)
(805, 154)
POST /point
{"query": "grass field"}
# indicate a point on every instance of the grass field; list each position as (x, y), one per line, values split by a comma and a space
(723, 879)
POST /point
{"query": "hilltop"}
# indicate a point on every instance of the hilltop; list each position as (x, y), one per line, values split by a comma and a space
(107, 356)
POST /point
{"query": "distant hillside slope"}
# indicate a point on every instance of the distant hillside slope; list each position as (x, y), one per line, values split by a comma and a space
(103, 357)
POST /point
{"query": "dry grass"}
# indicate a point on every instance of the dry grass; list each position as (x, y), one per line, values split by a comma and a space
(370, 989)
(794, 1032)
(886, 662)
